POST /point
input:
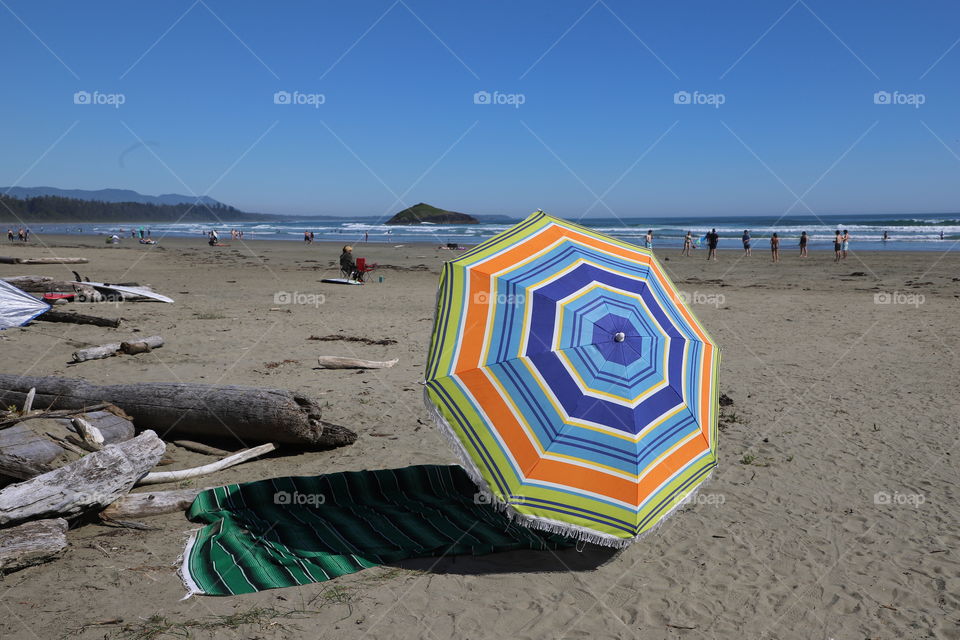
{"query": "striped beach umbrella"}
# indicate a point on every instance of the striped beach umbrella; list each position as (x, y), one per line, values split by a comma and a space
(576, 385)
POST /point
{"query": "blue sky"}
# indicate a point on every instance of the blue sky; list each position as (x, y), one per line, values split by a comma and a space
(599, 129)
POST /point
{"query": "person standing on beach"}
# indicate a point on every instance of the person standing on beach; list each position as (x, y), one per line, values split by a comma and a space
(886, 236)
(845, 243)
(775, 247)
(366, 236)
(10, 234)
(746, 243)
(837, 244)
(803, 244)
(687, 244)
(713, 239)
(648, 239)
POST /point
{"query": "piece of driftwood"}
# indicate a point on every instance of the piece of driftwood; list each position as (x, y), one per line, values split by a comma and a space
(111, 349)
(78, 318)
(92, 482)
(66, 444)
(88, 433)
(26, 451)
(362, 340)
(335, 362)
(199, 447)
(28, 402)
(15, 417)
(46, 284)
(157, 477)
(133, 348)
(153, 503)
(14, 465)
(52, 260)
(249, 414)
(32, 543)
(110, 426)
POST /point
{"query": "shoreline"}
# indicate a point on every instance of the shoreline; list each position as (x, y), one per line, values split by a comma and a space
(98, 241)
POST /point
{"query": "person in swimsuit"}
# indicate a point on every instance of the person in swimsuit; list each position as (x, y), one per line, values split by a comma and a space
(648, 239)
(837, 243)
(845, 244)
(775, 247)
(803, 244)
(687, 244)
(746, 243)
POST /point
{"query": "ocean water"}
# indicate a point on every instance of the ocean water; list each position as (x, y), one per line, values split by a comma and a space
(905, 232)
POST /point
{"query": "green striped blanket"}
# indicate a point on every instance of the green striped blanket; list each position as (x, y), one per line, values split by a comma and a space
(300, 530)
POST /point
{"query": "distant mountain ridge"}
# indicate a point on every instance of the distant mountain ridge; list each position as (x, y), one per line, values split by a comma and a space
(106, 195)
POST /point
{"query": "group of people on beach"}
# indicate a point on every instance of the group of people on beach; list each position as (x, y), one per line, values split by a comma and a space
(23, 235)
(840, 246)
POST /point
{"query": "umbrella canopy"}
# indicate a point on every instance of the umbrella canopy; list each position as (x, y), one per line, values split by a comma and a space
(18, 307)
(574, 382)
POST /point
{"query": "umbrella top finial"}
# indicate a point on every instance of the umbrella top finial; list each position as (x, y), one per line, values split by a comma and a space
(620, 336)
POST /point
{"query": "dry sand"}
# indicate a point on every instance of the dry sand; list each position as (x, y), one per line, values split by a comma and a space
(836, 399)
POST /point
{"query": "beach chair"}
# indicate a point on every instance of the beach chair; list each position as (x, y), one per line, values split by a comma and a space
(362, 269)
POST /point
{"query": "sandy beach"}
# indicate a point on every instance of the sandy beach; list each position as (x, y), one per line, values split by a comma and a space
(833, 513)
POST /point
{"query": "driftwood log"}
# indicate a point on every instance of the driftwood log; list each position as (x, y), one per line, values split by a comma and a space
(78, 318)
(25, 450)
(46, 284)
(92, 482)
(32, 543)
(110, 349)
(199, 447)
(51, 260)
(153, 503)
(249, 414)
(335, 362)
(157, 477)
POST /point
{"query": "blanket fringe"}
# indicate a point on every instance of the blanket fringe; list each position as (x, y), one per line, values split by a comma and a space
(182, 563)
(581, 534)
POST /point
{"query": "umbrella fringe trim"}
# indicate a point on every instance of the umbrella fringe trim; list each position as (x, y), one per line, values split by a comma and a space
(581, 534)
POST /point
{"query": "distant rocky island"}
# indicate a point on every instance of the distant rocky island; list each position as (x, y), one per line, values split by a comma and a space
(425, 213)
